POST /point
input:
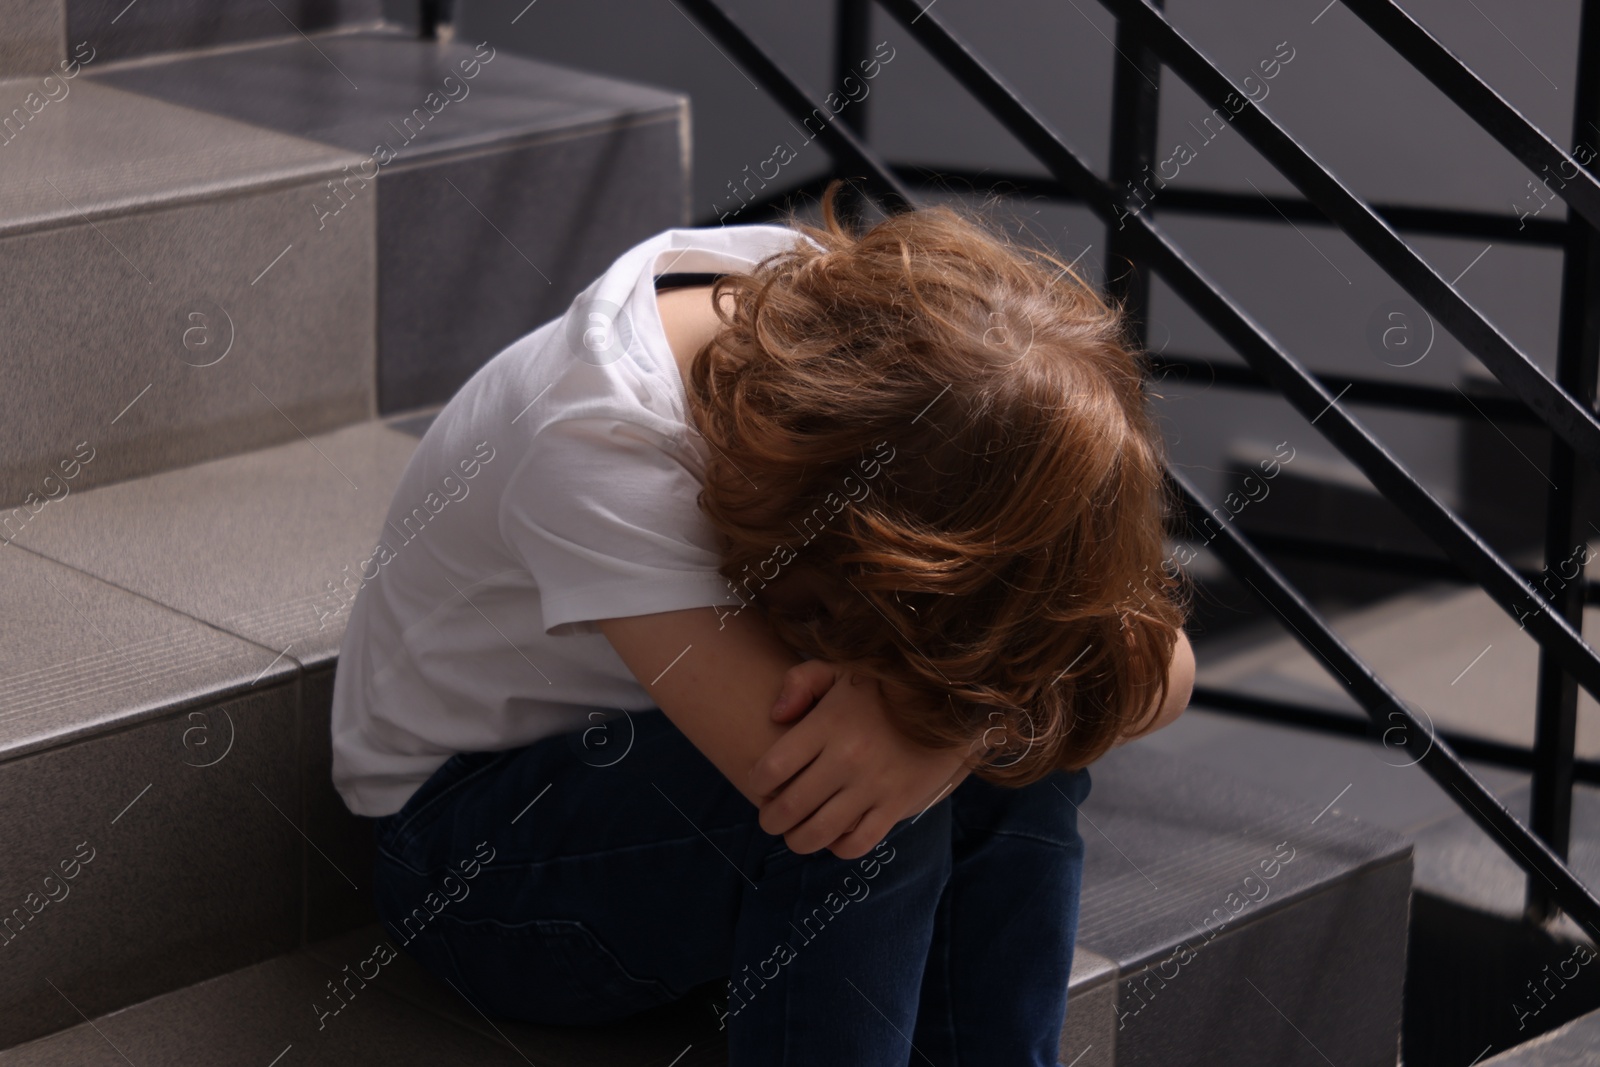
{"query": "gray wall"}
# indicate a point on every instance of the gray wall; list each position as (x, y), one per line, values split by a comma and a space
(1357, 106)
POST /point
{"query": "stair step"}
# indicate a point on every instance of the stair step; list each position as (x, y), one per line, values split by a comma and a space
(135, 215)
(1572, 1045)
(496, 167)
(265, 1014)
(79, 656)
(1459, 659)
(1211, 896)
(246, 549)
(1450, 651)
(1340, 898)
(167, 695)
(256, 545)
(403, 1015)
(198, 288)
(119, 29)
(151, 857)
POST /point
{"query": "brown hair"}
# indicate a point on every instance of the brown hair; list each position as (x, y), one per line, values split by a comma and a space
(1004, 564)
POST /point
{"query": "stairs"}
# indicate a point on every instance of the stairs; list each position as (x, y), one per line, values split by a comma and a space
(1573, 1045)
(229, 315)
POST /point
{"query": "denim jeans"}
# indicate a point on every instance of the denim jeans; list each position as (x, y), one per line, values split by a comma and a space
(590, 876)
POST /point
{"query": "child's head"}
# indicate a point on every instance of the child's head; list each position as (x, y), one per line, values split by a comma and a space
(947, 436)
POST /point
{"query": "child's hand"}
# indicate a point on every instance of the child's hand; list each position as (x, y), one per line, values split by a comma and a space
(843, 775)
(803, 685)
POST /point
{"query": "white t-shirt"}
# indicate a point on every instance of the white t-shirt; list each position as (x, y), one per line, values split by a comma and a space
(556, 488)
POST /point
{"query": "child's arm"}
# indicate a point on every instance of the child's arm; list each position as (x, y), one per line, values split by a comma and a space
(1180, 685)
(714, 678)
(823, 768)
(718, 681)
(845, 774)
(815, 680)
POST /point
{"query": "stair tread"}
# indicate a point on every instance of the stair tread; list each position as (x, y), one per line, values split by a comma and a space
(1159, 861)
(356, 90)
(1149, 805)
(78, 655)
(1456, 860)
(1572, 1045)
(1453, 858)
(187, 126)
(257, 1014)
(247, 543)
(101, 150)
(1450, 651)
(402, 1016)
(136, 29)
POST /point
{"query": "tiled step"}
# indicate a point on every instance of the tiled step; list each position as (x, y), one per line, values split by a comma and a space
(507, 185)
(1473, 955)
(398, 1016)
(237, 566)
(1466, 666)
(165, 703)
(231, 249)
(1245, 927)
(36, 34)
(1338, 901)
(284, 1011)
(1577, 1044)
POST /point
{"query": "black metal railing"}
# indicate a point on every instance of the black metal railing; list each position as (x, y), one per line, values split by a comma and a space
(1148, 44)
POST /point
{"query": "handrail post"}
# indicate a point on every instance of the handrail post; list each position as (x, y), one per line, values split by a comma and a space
(1135, 113)
(428, 17)
(1577, 356)
(851, 43)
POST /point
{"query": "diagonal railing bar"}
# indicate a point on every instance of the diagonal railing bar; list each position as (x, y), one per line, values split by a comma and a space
(842, 144)
(1301, 388)
(1571, 420)
(1459, 541)
(1389, 713)
(1481, 103)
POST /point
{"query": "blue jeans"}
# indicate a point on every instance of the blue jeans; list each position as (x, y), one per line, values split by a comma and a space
(599, 873)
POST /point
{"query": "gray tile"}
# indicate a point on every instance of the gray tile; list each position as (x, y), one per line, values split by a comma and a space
(99, 151)
(1315, 768)
(78, 656)
(1090, 969)
(1089, 1038)
(255, 1015)
(658, 1037)
(253, 544)
(193, 864)
(289, 87)
(650, 1039)
(1318, 982)
(175, 334)
(1576, 1044)
(168, 25)
(1454, 859)
(545, 220)
(33, 39)
(530, 173)
(1169, 844)
(337, 840)
(1458, 861)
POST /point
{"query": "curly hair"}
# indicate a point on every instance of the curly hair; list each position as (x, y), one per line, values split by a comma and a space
(1001, 553)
